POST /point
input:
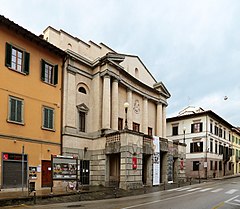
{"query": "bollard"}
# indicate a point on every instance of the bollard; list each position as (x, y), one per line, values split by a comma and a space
(190, 180)
(115, 192)
(178, 183)
(164, 185)
(34, 197)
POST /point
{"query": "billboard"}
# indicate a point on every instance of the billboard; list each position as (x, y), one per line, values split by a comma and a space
(156, 161)
(64, 168)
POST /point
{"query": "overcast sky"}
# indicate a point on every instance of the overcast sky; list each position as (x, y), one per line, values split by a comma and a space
(192, 46)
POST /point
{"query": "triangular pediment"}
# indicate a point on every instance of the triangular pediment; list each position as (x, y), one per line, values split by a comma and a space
(161, 88)
(82, 107)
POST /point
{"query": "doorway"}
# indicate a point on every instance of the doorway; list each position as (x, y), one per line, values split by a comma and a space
(84, 172)
(114, 169)
(145, 168)
(46, 173)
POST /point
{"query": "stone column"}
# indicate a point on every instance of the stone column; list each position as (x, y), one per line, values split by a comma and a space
(145, 116)
(115, 104)
(130, 109)
(159, 120)
(106, 103)
(164, 122)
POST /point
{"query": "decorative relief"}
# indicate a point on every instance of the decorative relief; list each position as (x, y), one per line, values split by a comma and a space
(136, 107)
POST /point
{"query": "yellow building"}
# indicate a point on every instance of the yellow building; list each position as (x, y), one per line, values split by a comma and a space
(30, 106)
(236, 152)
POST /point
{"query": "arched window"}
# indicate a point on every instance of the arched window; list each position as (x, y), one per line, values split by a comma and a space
(136, 73)
(82, 90)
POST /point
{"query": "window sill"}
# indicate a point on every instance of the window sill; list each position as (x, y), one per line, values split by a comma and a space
(50, 84)
(48, 129)
(16, 122)
(22, 73)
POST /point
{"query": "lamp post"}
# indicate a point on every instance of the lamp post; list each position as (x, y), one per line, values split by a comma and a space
(184, 131)
(126, 105)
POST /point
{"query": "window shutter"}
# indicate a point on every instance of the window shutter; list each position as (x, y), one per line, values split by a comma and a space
(19, 111)
(192, 127)
(45, 120)
(8, 55)
(26, 62)
(12, 109)
(55, 74)
(191, 148)
(43, 71)
(50, 119)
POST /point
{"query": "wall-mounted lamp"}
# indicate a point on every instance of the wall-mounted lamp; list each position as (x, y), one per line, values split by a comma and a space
(126, 106)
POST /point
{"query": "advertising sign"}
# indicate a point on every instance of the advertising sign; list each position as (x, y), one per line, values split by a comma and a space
(64, 168)
(156, 161)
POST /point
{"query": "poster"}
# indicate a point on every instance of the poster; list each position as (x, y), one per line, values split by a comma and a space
(64, 168)
(156, 161)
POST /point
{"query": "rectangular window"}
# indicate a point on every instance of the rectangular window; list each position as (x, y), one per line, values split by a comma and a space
(220, 149)
(211, 128)
(136, 127)
(224, 134)
(48, 118)
(215, 167)
(220, 132)
(216, 146)
(15, 110)
(196, 147)
(220, 165)
(49, 73)
(82, 121)
(216, 130)
(211, 145)
(150, 131)
(196, 165)
(175, 130)
(17, 59)
(229, 166)
(196, 127)
(211, 165)
(120, 124)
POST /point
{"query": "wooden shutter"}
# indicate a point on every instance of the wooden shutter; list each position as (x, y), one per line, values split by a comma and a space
(192, 128)
(55, 74)
(43, 70)
(12, 109)
(8, 59)
(26, 62)
(19, 111)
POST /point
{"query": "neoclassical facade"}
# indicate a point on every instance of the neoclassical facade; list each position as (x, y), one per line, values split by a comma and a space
(112, 108)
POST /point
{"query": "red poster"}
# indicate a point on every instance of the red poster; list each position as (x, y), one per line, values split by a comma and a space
(134, 163)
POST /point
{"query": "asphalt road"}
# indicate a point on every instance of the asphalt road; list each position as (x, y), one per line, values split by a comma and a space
(224, 194)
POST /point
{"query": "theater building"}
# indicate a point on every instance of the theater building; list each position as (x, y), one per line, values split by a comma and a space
(112, 108)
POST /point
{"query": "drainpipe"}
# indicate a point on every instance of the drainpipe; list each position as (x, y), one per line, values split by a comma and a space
(206, 160)
(65, 58)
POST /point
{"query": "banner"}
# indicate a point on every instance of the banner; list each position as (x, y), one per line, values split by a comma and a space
(156, 161)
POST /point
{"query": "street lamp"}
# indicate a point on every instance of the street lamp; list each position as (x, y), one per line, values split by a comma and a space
(184, 131)
(126, 105)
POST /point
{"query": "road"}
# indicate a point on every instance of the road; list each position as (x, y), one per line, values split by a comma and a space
(224, 194)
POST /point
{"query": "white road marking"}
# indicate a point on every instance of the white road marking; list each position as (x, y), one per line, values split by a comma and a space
(217, 190)
(149, 203)
(183, 189)
(231, 191)
(237, 201)
(204, 190)
(231, 203)
(194, 189)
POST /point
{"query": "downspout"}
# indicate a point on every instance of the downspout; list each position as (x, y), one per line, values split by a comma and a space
(65, 58)
(206, 160)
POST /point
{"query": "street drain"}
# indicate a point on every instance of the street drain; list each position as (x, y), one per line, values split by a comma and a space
(74, 206)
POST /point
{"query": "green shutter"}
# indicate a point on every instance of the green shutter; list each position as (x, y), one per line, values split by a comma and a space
(26, 62)
(19, 111)
(50, 119)
(55, 74)
(12, 109)
(43, 70)
(8, 59)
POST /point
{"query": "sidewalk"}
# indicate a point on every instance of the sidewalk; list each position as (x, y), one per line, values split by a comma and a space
(44, 196)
